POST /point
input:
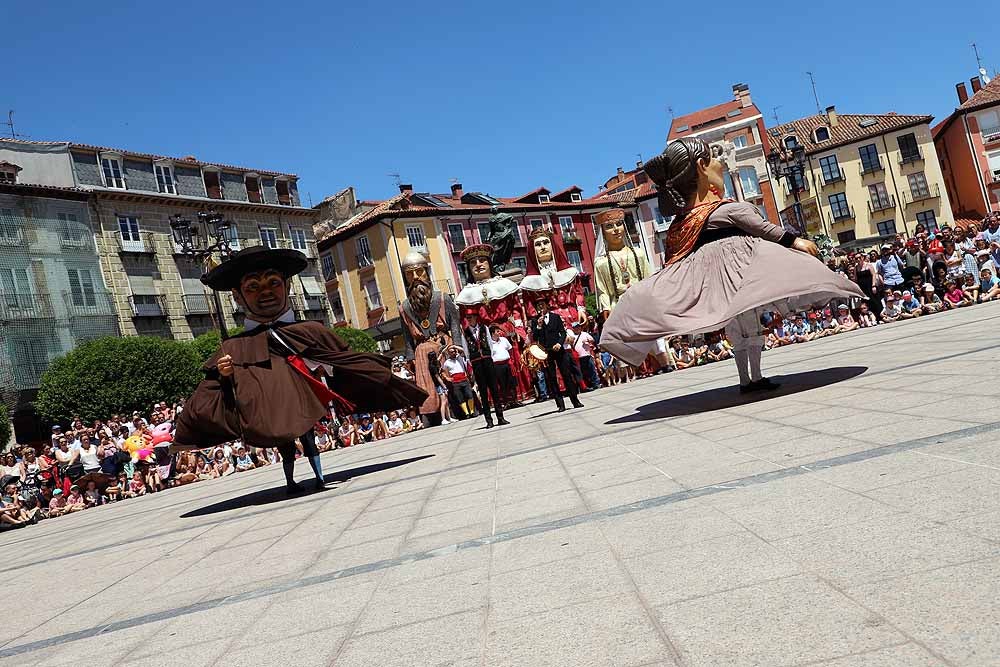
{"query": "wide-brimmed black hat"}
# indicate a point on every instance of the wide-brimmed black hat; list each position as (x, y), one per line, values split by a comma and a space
(226, 276)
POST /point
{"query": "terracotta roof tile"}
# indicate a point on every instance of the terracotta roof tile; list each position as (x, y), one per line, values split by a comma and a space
(847, 131)
(987, 96)
(720, 113)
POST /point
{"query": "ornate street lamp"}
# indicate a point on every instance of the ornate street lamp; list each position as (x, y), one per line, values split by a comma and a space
(789, 163)
(201, 240)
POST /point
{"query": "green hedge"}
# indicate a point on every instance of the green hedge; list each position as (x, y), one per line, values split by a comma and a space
(5, 428)
(356, 339)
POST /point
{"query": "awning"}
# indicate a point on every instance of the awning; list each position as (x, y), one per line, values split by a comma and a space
(866, 242)
(386, 330)
(193, 286)
(142, 285)
(311, 286)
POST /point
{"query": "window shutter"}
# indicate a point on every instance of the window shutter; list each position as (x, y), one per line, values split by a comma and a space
(193, 286)
(142, 285)
(311, 286)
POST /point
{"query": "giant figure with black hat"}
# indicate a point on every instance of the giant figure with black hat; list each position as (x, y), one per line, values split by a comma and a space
(263, 386)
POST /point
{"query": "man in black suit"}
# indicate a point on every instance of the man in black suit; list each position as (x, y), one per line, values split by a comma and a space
(477, 339)
(550, 334)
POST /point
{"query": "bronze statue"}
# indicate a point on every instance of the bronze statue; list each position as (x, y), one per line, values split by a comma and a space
(502, 239)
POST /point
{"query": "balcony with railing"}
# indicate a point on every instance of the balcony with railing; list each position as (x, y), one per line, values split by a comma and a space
(70, 241)
(11, 234)
(365, 260)
(306, 303)
(990, 134)
(142, 243)
(886, 203)
(25, 306)
(148, 305)
(843, 213)
(910, 157)
(911, 196)
(836, 178)
(197, 304)
(871, 168)
(570, 235)
(89, 304)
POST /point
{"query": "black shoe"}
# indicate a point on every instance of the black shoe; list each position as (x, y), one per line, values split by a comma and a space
(293, 488)
(562, 409)
(577, 404)
(746, 388)
(320, 484)
(765, 384)
(503, 422)
(489, 424)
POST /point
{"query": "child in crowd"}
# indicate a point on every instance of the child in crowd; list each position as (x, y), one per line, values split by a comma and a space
(892, 311)
(931, 302)
(989, 285)
(971, 288)
(866, 318)
(953, 294)
(910, 306)
(845, 320)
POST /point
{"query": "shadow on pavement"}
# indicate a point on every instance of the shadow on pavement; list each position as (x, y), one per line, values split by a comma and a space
(730, 397)
(277, 494)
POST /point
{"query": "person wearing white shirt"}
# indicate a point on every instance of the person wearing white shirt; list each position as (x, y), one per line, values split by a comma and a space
(583, 344)
(500, 349)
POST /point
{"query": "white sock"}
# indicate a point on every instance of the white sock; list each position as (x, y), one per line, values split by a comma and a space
(754, 353)
(742, 362)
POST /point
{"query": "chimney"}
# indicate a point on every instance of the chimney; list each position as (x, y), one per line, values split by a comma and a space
(456, 190)
(741, 93)
(831, 116)
(963, 94)
(621, 171)
(976, 84)
(406, 188)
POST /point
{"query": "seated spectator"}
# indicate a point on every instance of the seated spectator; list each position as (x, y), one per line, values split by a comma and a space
(845, 320)
(892, 311)
(954, 296)
(91, 496)
(12, 508)
(324, 442)
(910, 306)
(380, 429)
(89, 455)
(366, 429)
(221, 466)
(682, 351)
(971, 287)
(989, 286)
(347, 434)
(781, 334)
(395, 425)
(137, 486)
(801, 332)
(10, 466)
(719, 348)
(416, 423)
(931, 302)
(243, 460)
(75, 501)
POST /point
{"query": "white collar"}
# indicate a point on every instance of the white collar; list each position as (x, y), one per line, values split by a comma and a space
(250, 325)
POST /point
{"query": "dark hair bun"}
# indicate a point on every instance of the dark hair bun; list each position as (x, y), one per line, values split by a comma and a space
(675, 173)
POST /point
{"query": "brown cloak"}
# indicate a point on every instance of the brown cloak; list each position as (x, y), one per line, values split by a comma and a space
(274, 405)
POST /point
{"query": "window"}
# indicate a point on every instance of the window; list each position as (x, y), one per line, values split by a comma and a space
(908, 149)
(730, 189)
(830, 168)
(795, 182)
(8, 176)
(869, 159)
(253, 189)
(128, 231)
(81, 288)
(749, 182)
(484, 231)
(329, 269)
(740, 141)
(535, 223)
(574, 258)
(543, 199)
(371, 295)
(575, 196)
(879, 196)
(927, 219)
(566, 224)
(517, 234)
(791, 141)
(112, 168)
(70, 229)
(918, 185)
(364, 252)
(520, 262)
(165, 178)
(456, 236)
(213, 184)
(16, 287)
(298, 239)
(337, 307)
(994, 162)
(269, 237)
(845, 237)
(822, 134)
(284, 193)
(415, 235)
(232, 234)
(886, 228)
(838, 205)
(463, 273)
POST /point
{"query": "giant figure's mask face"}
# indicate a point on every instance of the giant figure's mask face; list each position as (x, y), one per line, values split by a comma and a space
(543, 249)
(263, 295)
(480, 268)
(416, 273)
(614, 234)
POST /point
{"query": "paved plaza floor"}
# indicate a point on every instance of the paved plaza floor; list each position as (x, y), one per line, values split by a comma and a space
(852, 518)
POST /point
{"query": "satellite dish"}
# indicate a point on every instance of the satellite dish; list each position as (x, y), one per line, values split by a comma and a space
(983, 75)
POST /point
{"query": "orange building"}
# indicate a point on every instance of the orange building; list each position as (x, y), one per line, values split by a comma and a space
(968, 146)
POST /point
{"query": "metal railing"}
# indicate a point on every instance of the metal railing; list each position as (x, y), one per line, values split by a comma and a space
(570, 235)
(197, 304)
(145, 244)
(884, 204)
(89, 304)
(81, 242)
(309, 302)
(11, 235)
(148, 305)
(990, 134)
(871, 169)
(843, 214)
(365, 260)
(25, 306)
(933, 191)
(909, 158)
(834, 178)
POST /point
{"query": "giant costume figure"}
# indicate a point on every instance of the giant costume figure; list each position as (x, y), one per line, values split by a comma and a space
(426, 314)
(617, 264)
(551, 275)
(263, 386)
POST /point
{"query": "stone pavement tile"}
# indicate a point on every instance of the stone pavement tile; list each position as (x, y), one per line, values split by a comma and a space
(447, 561)
(548, 546)
(951, 610)
(482, 498)
(201, 625)
(699, 569)
(981, 450)
(542, 587)
(474, 514)
(667, 527)
(413, 601)
(105, 649)
(784, 622)
(807, 512)
(944, 497)
(895, 430)
(353, 555)
(446, 538)
(813, 414)
(180, 654)
(564, 503)
(630, 492)
(610, 631)
(807, 449)
(633, 471)
(883, 547)
(374, 532)
(437, 641)
(905, 655)
(315, 649)
(710, 476)
(886, 470)
(396, 500)
(465, 488)
(985, 525)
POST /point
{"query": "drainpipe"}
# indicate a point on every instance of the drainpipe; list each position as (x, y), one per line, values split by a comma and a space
(895, 188)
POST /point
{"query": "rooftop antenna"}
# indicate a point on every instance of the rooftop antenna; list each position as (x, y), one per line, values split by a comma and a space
(639, 155)
(670, 110)
(774, 114)
(979, 63)
(812, 80)
(396, 179)
(10, 124)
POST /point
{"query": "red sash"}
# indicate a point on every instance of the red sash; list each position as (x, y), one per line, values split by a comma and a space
(319, 388)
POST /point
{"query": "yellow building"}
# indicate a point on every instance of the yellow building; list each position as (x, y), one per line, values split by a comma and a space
(360, 259)
(867, 177)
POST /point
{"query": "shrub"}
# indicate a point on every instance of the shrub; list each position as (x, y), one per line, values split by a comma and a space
(356, 339)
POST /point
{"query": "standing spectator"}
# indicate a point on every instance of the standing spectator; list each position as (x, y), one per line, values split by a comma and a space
(584, 347)
(10, 466)
(455, 370)
(868, 280)
(440, 386)
(890, 269)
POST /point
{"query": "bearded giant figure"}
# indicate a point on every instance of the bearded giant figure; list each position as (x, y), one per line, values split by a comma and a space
(550, 274)
(427, 314)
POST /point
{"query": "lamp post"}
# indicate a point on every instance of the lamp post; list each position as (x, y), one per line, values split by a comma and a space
(200, 240)
(789, 164)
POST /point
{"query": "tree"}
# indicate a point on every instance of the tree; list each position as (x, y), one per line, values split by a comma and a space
(117, 375)
(5, 429)
(356, 339)
(591, 302)
(208, 343)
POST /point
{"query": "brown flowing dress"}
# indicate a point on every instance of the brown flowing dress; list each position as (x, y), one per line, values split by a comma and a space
(738, 266)
(266, 403)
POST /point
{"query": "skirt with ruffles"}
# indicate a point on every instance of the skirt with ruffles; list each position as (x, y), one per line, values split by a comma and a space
(712, 286)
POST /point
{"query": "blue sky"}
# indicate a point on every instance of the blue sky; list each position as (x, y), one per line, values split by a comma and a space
(503, 96)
